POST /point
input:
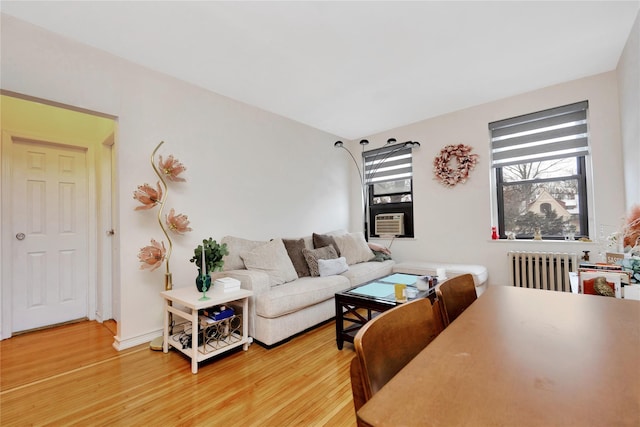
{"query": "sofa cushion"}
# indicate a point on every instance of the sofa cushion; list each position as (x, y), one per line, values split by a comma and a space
(299, 294)
(294, 249)
(422, 268)
(236, 246)
(272, 258)
(354, 247)
(330, 267)
(313, 255)
(366, 271)
(322, 240)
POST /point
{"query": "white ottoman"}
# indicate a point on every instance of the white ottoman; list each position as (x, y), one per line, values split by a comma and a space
(423, 268)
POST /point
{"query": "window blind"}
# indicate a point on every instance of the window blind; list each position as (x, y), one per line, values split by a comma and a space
(550, 134)
(389, 163)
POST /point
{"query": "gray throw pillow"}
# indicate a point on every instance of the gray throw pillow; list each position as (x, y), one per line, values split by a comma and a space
(322, 240)
(294, 249)
(313, 255)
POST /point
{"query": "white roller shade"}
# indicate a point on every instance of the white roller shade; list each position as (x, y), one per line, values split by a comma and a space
(550, 134)
(389, 163)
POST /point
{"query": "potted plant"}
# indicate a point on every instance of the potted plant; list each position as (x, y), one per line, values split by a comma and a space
(212, 259)
(213, 255)
(632, 265)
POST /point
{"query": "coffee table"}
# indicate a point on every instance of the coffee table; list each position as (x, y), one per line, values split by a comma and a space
(375, 296)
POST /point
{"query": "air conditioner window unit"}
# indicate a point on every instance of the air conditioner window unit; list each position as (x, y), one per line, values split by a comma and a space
(392, 223)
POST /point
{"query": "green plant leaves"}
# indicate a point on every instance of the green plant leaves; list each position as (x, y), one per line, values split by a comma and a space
(213, 253)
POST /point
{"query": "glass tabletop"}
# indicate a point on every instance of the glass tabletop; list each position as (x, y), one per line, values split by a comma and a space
(383, 288)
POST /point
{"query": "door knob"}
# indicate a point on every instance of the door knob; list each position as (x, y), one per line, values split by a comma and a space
(20, 236)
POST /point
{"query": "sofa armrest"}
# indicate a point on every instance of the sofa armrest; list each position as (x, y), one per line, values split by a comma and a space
(256, 281)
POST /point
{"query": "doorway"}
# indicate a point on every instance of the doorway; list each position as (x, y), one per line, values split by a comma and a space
(56, 215)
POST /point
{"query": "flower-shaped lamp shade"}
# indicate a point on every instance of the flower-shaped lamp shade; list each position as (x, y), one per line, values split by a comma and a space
(171, 168)
(152, 256)
(179, 223)
(148, 196)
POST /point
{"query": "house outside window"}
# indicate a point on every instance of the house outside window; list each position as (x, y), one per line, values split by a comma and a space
(388, 179)
(540, 171)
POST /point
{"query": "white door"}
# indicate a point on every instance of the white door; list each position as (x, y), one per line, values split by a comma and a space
(50, 272)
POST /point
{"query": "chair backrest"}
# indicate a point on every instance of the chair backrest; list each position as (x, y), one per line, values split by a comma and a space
(357, 386)
(387, 343)
(455, 295)
(438, 315)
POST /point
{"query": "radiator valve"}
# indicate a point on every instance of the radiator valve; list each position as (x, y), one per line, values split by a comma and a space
(585, 257)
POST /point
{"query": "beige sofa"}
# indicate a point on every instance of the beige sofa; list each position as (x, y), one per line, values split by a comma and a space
(285, 300)
(423, 268)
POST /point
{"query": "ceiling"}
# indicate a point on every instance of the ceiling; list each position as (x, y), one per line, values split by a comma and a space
(352, 68)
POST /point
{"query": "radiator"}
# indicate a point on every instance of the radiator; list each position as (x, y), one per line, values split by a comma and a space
(542, 270)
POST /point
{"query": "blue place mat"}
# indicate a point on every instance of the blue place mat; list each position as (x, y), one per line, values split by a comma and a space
(403, 279)
(376, 290)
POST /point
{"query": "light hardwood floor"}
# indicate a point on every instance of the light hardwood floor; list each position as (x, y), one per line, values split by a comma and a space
(71, 375)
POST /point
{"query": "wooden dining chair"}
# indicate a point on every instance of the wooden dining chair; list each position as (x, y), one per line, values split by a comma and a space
(438, 315)
(455, 295)
(387, 343)
(357, 386)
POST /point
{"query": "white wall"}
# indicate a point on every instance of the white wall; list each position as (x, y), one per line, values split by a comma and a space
(257, 175)
(249, 173)
(454, 224)
(629, 90)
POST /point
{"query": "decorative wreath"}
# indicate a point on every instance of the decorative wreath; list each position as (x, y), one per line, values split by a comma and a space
(450, 176)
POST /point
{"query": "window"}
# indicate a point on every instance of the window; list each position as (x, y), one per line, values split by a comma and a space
(540, 172)
(389, 185)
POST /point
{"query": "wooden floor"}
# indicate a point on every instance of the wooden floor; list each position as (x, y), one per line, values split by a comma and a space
(71, 375)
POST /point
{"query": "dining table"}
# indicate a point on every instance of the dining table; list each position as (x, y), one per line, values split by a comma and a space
(522, 357)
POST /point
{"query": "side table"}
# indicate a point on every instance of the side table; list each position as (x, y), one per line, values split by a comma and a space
(185, 303)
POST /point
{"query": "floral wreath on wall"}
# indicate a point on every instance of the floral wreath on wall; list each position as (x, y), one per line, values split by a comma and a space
(448, 175)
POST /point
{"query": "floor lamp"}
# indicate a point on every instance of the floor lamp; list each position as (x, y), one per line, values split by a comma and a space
(363, 187)
(362, 173)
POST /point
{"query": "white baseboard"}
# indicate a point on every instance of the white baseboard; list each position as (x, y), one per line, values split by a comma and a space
(120, 344)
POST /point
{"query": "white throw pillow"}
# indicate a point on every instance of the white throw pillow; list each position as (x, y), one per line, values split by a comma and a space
(354, 248)
(331, 267)
(273, 259)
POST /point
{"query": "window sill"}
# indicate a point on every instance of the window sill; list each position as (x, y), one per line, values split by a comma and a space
(386, 239)
(537, 242)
